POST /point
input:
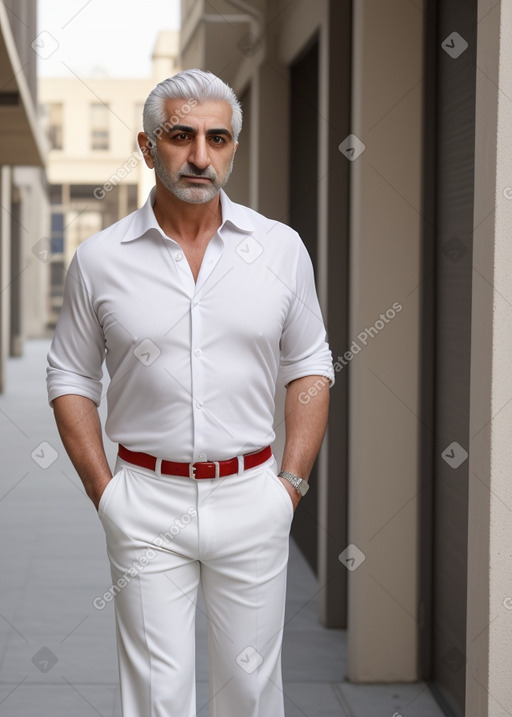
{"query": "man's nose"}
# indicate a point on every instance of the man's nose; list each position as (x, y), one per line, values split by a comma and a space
(199, 155)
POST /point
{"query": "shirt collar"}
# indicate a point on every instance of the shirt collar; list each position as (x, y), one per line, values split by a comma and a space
(236, 214)
(143, 221)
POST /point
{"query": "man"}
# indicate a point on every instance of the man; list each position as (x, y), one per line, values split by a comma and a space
(195, 303)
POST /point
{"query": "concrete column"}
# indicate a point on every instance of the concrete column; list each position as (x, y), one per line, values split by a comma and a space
(33, 272)
(238, 185)
(5, 269)
(489, 609)
(145, 182)
(17, 283)
(122, 207)
(383, 358)
(269, 137)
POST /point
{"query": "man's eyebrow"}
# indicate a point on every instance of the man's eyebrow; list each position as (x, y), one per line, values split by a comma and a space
(221, 130)
(191, 130)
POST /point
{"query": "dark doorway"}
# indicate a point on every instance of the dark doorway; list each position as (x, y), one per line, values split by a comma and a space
(304, 219)
(447, 284)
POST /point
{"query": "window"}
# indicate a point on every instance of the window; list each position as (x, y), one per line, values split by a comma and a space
(55, 193)
(54, 113)
(81, 193)
(99, 126)
(57, 233)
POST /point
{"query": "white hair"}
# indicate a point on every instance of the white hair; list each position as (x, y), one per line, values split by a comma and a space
(193, 87)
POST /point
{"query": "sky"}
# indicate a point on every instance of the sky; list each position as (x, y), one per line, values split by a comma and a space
(106, 38)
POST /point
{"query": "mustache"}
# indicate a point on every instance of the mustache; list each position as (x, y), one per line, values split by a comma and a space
(191, 171)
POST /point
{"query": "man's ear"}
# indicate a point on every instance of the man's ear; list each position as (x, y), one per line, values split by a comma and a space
(145, 145)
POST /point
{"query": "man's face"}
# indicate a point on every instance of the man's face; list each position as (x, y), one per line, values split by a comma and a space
(193, 159)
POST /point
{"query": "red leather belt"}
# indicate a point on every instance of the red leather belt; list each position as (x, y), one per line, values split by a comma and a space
(201, 469)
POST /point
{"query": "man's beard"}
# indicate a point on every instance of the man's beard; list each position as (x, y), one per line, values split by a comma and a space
(197, 194)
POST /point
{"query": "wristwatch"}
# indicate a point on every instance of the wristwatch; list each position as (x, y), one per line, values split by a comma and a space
(301, 486)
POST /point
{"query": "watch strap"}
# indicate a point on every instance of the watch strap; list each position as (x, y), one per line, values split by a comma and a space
(300, 485)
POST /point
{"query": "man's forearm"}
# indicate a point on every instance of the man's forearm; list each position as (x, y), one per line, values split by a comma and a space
(306, 411)
(79, 426)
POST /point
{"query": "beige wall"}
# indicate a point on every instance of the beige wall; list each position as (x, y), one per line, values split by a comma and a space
(489, 615)
(384, 378)
(238, 186)
(165, 55)
(76, 163)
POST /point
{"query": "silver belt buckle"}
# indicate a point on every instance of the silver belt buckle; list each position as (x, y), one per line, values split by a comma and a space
(192, 469)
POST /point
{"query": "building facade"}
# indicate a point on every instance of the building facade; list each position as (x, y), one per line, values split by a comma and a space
(95, 169)
(380, 131)
(23, 187)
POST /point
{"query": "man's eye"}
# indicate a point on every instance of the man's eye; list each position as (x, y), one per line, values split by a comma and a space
(217, 139)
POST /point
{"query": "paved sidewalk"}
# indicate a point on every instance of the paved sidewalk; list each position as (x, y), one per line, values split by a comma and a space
(57, 652)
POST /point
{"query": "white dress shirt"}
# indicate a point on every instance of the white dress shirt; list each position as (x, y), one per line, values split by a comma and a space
(193, 366)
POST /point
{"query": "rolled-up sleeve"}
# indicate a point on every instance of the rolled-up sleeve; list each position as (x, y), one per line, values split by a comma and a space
(78, 348)
(304, 347)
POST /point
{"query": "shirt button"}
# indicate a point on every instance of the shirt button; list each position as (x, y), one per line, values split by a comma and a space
(178, 257)
(199, 404)
(195, 302)
(197, 352)
(202, 456)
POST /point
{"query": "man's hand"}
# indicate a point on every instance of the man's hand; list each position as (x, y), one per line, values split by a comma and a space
(294, 494)
(97, 492)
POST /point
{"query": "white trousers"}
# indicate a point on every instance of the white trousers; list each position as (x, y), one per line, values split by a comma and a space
(167, 534)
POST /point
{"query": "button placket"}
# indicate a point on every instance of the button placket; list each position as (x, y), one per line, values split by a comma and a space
(184, 271)
(197, 367)
(211, 257)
